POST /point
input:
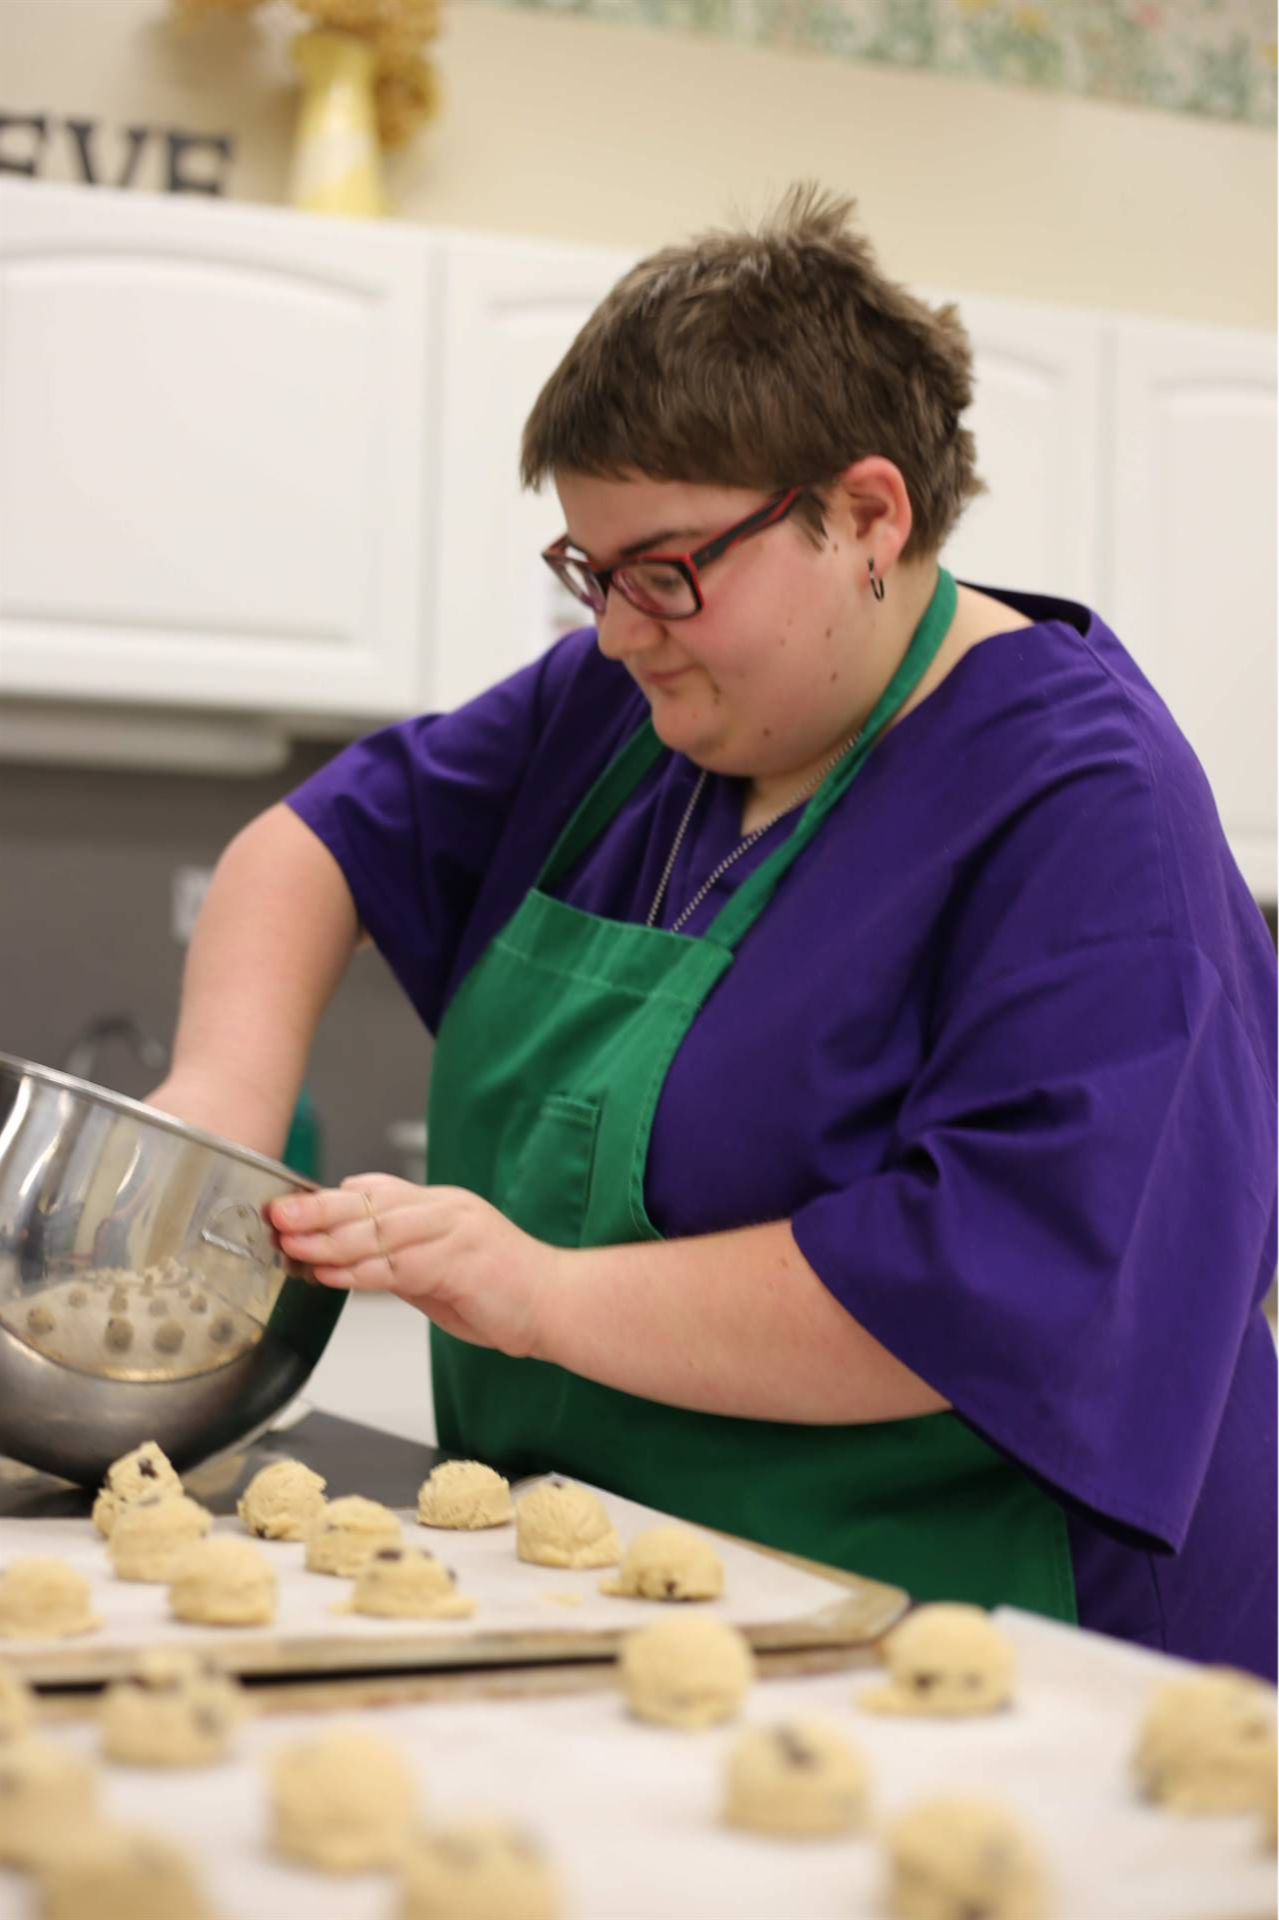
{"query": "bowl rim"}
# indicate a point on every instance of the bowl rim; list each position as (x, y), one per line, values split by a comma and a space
(167, 1122)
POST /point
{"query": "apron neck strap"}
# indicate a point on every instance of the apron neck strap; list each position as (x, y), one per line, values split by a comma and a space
(625, 772)
(603, 800)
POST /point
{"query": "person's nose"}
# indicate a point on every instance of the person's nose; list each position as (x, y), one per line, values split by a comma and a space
(622, 630)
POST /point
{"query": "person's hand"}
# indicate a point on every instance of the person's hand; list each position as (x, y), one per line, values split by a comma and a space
(440, 1248)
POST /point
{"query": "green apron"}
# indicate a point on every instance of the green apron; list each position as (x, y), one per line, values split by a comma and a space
(545, 1079)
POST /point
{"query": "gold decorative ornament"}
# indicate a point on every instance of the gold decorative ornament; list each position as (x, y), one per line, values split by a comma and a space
(367, 87)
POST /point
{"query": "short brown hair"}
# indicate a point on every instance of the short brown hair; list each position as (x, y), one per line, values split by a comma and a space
(766, 359)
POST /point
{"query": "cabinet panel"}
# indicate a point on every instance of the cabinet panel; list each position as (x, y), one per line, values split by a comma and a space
(1194, 579)
(512, 309)
(213, 470)
(1035, 419)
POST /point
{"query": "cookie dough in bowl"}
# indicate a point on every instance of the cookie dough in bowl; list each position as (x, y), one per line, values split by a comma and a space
(686, 1672)
(344, 1534)
(797, 1777)
(1207, 1743)
(406, 1583)
(134, 1475)
(44, 1599)
(947, 1660)
(46, 1793)
(561, 1524)
(345, 1802)
(282, 1501)
(463, 1494)
(121, 1873)
(150, 1535)
(478, 1870)
(955, 1856)
(668, 1563)
(223, 1583)
(173, 1710)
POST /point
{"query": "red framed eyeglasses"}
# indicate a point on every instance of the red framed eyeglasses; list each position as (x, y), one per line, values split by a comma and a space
(664, 585)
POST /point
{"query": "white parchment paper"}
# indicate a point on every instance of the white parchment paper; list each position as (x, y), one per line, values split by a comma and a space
(510, 1595)
(630, 1812)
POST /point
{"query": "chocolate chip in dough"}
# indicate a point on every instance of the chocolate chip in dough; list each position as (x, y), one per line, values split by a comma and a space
(793, 1750)
(119, 1334)
(221, 1329)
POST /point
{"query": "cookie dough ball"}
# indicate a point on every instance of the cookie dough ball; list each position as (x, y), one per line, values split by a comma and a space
(478, 1870)
(1270, 1802)
(560, 1524)
(462, 1493)
(144, 1471)
(151, 1535)
(44, 1600)
(950, 1858)
(282, 1500)
(223, 1583)
(668, 1563)
(121, 1873)
(173, 1711)
(404, 1583)
(946, 1660)
(346, 1802)
(45, 1794)
(17, 1705)
(1207, 1743)
(341, 1537)
(798, 1777)
(686, 1672)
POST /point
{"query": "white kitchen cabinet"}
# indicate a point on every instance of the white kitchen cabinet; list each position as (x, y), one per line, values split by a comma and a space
(215, 454)
(511, 310)
(1192, 561)
(1036, 418)
(259, 461)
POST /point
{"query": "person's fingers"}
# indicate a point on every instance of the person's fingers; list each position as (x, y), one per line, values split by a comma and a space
(318, 1212)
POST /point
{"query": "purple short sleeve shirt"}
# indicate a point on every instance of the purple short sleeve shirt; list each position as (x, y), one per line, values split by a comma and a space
(1002, 1048)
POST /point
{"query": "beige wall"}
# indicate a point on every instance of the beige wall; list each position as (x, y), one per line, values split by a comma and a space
(578, 130)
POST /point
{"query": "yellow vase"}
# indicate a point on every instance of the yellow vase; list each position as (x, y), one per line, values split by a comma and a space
(337, 162)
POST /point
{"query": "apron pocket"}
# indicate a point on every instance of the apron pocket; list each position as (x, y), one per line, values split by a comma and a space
(550, 1182)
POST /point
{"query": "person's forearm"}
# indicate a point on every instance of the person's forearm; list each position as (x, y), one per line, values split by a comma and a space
(272, 941)
(732, 1323)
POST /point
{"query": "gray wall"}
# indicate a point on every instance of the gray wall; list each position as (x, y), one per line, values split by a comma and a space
(86, 869)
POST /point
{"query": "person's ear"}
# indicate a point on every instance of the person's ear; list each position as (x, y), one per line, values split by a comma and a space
(869, 502)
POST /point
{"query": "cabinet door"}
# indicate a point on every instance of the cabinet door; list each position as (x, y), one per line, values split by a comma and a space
(1194, 555)
(511, 309)
(1035, 416)
(212, 463)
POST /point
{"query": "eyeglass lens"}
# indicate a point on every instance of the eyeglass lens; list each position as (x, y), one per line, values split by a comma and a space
(652, 586)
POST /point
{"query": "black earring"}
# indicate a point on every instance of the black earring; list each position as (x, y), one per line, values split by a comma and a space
(876, 585)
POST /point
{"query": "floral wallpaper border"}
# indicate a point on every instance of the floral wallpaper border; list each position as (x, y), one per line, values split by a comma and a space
(1215, 58)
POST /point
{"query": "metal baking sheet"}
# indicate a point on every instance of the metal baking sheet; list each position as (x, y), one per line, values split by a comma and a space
(522, 1613)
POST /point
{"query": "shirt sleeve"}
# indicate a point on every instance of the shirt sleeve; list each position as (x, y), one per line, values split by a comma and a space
(1074, 1222)
(414, 814)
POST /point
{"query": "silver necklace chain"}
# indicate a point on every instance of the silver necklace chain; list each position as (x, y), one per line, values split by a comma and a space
(743, 846)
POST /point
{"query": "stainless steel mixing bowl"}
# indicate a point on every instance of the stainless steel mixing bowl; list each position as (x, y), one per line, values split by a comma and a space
(142, 1296)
